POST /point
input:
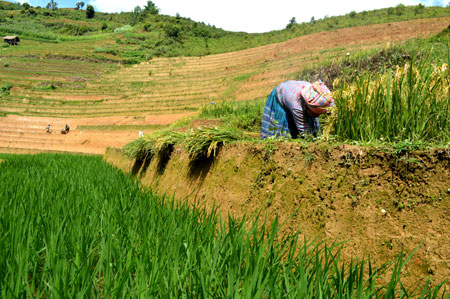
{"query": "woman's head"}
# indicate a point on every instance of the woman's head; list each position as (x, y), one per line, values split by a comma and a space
(318, 98)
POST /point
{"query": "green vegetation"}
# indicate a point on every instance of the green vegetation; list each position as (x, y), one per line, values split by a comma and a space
(74, 226)
(5, 89)
(245, 115)
(203, 142)
(391, 97)
(349, 69)
(90, 12)
(150, 34)
(158, 144)
(411, 104)
(394, 95)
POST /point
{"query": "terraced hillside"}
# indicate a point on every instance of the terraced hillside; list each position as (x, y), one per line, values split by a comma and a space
(86, 92)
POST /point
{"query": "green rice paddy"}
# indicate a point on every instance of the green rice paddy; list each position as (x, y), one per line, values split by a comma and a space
(73, 226)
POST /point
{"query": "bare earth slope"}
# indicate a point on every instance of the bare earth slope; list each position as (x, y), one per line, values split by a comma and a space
(378, 202)
(163, 90)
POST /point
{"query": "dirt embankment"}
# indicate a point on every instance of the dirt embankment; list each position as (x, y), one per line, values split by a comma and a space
(381, 203)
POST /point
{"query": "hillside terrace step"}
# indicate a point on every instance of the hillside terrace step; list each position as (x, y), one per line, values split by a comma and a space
(32, 136)
(24, 124)
(29, 145)
(31, 140)
(29, 131)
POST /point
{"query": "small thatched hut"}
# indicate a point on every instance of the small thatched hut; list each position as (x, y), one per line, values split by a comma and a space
(12, 40)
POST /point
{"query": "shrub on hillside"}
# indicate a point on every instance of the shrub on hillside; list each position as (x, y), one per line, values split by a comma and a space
(173, 31)
(5, 89)
(147, 27)
(125, 28)
(400, 9)
(90, 12)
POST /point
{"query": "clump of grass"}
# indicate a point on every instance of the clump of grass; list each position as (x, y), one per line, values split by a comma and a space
(5, 89)
(204, 142)
(46, 86)
(244, 115)
(164, 141)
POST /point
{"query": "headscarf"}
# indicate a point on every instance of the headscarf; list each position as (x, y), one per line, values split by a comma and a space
(318, 97)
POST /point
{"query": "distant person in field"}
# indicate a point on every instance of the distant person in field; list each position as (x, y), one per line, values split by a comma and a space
(67, 128)
(293, 107)
(48, 129)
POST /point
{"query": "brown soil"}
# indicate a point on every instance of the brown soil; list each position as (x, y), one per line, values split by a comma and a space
(18, 133)
(379, 203)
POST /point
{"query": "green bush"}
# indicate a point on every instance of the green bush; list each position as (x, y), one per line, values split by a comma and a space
(5, 89)
(172, 31)
(147, 27)
(90, 12)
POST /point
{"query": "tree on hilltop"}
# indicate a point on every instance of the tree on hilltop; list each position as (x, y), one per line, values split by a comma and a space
(90, 12)
(135, 15)
(291, 23)
(151, 8)
(419, 9)
(52, 5)
(79, 5)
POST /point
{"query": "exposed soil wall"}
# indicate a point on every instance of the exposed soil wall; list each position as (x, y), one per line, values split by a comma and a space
(381, 203)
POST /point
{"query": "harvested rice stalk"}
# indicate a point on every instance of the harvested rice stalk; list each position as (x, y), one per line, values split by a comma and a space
(139, 148)
(204, 142)
(165, 140)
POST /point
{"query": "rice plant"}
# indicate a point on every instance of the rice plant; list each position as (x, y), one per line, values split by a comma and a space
(412, 103)
(165, 140)
(73, 226)
(156, 144)
(202, 142)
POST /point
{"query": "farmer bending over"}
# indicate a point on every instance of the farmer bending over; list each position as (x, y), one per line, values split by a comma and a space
(293, 107)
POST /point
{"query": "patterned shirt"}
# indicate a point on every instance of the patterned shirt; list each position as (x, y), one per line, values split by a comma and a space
(289, 95)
